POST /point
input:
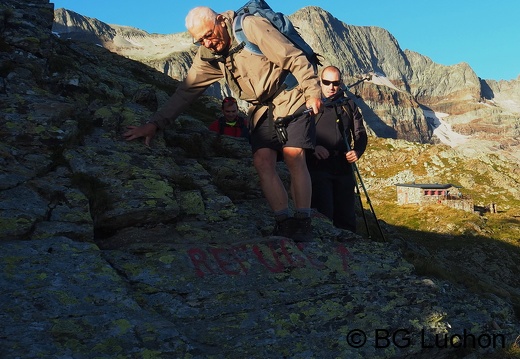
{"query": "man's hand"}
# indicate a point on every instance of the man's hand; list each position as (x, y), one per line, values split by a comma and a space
(321, 152)
(147, 131)
(314, 104)
(351, 156)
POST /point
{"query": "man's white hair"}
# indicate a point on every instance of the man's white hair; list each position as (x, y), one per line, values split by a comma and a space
(199, 14)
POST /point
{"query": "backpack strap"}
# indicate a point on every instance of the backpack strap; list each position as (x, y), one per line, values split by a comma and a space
(243, 127)
(289, 81)
(238, 32)
(348, 110)
(341, 126)
(221, 125)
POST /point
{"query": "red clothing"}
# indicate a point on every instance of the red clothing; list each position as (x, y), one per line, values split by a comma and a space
(234, 131)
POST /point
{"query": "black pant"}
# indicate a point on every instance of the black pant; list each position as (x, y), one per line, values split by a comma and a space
(333, 196)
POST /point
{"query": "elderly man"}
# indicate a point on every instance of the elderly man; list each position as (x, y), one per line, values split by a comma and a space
(256, 79)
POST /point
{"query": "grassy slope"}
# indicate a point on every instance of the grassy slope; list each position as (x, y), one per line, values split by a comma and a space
(438, 164)
(466, 248)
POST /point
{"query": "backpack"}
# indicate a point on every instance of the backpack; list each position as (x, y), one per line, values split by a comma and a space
(280, 22)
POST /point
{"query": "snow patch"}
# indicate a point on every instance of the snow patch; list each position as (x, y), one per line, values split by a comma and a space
(380, 79)
(442, 130)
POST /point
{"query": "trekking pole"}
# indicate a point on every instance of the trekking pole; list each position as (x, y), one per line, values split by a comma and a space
(355, 171)
(366, 78)
(356, 186)
(358, 195)
(355, 168)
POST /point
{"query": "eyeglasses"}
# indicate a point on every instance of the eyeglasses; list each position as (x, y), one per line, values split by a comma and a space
(208, 36)
(327, 82)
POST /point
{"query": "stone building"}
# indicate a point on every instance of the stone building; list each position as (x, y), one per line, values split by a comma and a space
(428, 193)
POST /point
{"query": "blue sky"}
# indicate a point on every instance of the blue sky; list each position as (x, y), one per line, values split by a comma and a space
(484, 34)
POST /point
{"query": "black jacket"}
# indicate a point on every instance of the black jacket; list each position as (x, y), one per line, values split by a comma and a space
(328, 135)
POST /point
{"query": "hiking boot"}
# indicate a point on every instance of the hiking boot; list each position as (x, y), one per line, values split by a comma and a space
(302, 230)
(284, 228)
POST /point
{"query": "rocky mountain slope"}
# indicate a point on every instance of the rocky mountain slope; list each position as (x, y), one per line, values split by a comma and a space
(112, 249)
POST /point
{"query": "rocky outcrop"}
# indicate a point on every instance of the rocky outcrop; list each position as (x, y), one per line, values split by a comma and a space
(78, 27)
(109, 248)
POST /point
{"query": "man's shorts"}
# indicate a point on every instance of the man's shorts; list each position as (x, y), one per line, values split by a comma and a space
(301, 133)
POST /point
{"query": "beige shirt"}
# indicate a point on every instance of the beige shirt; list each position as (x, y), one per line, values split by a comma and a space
(253, 78)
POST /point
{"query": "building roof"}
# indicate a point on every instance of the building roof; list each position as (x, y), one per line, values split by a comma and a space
(427, 185)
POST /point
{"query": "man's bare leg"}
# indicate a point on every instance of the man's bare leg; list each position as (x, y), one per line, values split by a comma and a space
(301, 185)
(301, 188)
(264, 161)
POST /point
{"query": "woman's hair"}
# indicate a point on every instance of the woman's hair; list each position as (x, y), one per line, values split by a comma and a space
(228, 101)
